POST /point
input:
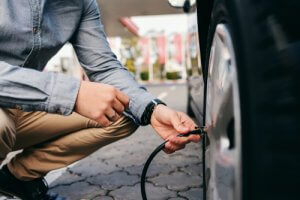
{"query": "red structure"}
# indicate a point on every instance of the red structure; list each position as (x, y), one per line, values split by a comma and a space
(128, 23)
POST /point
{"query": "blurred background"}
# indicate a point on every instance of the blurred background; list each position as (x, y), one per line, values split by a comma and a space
(150, 38)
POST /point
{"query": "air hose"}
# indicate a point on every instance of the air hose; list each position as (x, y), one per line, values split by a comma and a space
(197, 131)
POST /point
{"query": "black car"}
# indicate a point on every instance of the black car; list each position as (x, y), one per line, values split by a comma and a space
(244, 85)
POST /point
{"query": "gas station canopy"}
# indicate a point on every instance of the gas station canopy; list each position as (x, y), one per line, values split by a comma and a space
(112, 11)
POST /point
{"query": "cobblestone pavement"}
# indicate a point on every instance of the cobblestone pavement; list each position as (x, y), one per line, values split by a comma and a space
(113, 172)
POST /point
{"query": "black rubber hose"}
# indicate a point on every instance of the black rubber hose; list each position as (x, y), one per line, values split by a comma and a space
(146, 166)
(204, 166)
(197, 131)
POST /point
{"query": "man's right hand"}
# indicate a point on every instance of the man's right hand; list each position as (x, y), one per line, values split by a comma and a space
(100, 102)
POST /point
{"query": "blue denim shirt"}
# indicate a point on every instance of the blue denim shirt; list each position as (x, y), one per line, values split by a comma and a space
(32, 31)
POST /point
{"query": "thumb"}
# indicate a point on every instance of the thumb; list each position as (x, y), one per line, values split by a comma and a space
(177, 125)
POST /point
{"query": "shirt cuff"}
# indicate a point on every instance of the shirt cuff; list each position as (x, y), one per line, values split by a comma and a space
(64, 94)
(138, 105)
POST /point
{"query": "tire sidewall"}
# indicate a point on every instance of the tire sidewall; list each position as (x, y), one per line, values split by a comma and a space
(224, 13)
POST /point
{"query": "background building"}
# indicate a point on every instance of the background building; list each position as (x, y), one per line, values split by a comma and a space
(151, 45)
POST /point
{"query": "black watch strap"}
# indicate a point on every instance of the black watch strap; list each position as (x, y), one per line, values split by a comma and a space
(146, 117)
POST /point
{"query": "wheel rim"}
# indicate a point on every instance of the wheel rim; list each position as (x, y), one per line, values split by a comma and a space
(223, 119)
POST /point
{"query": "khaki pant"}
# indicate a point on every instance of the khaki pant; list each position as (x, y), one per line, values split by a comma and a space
(51, 141)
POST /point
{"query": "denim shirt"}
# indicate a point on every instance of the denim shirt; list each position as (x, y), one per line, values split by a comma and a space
(32, 31)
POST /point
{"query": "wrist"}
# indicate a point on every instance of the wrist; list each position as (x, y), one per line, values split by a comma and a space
(147, 115)
(155, 112)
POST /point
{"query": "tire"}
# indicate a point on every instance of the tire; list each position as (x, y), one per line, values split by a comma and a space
(266, 48)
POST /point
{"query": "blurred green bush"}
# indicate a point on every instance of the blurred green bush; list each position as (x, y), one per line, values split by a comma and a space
(173, 75)
(145, 75)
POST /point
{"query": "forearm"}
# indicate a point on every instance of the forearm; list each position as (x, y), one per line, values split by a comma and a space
(31, 90)
(100, 63)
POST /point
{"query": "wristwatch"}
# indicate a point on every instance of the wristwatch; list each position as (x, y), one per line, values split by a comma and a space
(146, 117)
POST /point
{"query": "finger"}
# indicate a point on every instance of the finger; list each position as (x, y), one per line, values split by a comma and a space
(187, 121)
(116, 117)
(191, 124)
(167, 151)
(118, 107)
(123, 98)
(179, 147)
(179, 140)
(178, 125)
(112, 115)
(184, 140)
(194, 138)
(172, 147)
(104, 121)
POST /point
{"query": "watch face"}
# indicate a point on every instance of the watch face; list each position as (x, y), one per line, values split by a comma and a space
(155, 101)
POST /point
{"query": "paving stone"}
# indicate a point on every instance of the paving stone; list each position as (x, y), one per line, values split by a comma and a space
(154, 169)
(134, 170)
(55, 174)
(134, 193)
(193, 169)
(177, 160)
(193, 194)
(79, 191)
(66, 179)
(177, 181)
(127, 160)
(103, 198)
(114, 180)
(192, 149)
(91, 168)
(128, 152)
(108, 152)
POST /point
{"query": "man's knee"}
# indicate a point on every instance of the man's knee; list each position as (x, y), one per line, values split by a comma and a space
(84, 142)
(7, 134)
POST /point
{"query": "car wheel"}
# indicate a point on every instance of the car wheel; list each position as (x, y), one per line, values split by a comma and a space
(251, 105)
(223, 117)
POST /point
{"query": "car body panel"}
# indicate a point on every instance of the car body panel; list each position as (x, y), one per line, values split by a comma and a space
(204, 8)
(195, 80)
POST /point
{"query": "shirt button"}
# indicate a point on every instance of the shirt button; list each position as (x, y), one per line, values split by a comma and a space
(19, 107)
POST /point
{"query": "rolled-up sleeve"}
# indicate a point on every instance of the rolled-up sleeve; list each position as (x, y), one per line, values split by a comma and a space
(101, 64)
(32, 90)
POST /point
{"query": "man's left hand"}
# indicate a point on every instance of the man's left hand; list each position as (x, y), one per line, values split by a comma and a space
(169, 123)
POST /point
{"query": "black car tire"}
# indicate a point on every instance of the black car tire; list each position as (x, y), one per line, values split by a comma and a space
(266, 40)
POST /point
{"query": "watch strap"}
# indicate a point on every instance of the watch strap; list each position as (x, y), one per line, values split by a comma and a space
(146, 117)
